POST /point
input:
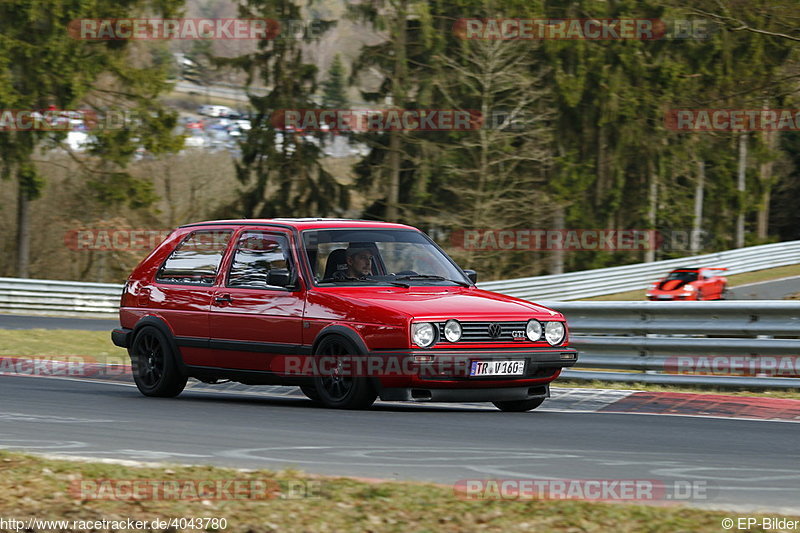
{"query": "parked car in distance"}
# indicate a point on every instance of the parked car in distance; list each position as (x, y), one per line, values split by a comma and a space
(347, 310)
(195, 140)
(690, 283)
(215, 110)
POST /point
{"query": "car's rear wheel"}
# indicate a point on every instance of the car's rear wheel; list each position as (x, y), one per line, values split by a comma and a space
(337, 390)
(153, 363)
(519, 406)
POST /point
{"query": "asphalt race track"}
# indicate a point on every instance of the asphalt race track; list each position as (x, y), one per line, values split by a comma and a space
(741, 464)
(775, 289)
(57, 322)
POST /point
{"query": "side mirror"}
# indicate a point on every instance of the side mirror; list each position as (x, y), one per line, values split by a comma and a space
(279, 277)
(472, 275)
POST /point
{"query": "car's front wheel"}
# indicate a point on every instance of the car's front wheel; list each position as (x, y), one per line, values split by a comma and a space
(310, 391)
(153, 363)
(335, 388)
(519, 406)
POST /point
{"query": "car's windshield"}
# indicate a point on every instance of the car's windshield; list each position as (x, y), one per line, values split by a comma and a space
(378, 257)
(683, 275)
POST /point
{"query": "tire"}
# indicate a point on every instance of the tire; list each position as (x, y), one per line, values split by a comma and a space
(519, 406)
(340, 392)
(153, 363)
(311, 392)
(723, 293)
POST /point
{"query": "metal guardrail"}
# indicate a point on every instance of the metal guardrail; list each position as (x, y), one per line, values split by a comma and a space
(589, 283)
(649, 342)
(37, 296)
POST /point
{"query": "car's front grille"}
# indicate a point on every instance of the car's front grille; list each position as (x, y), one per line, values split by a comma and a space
(482, 331)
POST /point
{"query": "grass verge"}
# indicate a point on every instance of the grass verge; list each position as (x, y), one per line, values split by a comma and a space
(60, 342)
(45, 489)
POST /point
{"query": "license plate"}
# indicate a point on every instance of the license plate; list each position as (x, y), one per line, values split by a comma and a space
(514, 367)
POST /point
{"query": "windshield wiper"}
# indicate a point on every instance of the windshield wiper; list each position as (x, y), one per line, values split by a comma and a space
(392, 282)
(432, 277)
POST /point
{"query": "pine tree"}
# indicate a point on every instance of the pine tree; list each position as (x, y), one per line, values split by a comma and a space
(334, 92)
(282, 170)
(44, 65)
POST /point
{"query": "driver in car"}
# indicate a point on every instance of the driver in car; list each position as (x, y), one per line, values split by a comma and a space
(359, 260)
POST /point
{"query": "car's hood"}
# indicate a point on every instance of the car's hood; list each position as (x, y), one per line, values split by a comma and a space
(672, 285)
(446, 302)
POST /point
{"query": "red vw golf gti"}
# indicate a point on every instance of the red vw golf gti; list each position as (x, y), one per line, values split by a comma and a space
(347, 310)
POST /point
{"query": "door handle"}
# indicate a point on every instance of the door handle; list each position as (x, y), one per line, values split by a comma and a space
(223, 299)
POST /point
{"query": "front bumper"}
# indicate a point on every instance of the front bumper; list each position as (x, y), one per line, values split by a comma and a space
(458, 360)
(669, 297)
(498, 394)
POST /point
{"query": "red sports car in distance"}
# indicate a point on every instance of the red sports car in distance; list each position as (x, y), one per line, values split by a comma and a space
(690, 284)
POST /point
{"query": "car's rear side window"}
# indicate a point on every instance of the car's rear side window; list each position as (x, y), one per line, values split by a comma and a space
(258, 252)
(196, 260)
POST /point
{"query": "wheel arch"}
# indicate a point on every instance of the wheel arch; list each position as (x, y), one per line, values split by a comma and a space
(161, 325)
(351, 335)
(342, 331)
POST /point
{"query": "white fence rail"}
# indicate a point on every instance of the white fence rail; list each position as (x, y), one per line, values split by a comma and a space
(588, 283)
(38, 296)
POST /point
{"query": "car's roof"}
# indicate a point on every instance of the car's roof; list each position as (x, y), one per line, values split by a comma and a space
(697, 269)
(302, 223)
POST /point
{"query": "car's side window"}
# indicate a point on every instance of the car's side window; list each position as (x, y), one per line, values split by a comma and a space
(196, 260)
(257, 254)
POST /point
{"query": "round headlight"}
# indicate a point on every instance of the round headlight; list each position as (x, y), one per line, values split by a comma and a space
(423, 334)
(554, 332)
(452, 330)
(533, 330)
